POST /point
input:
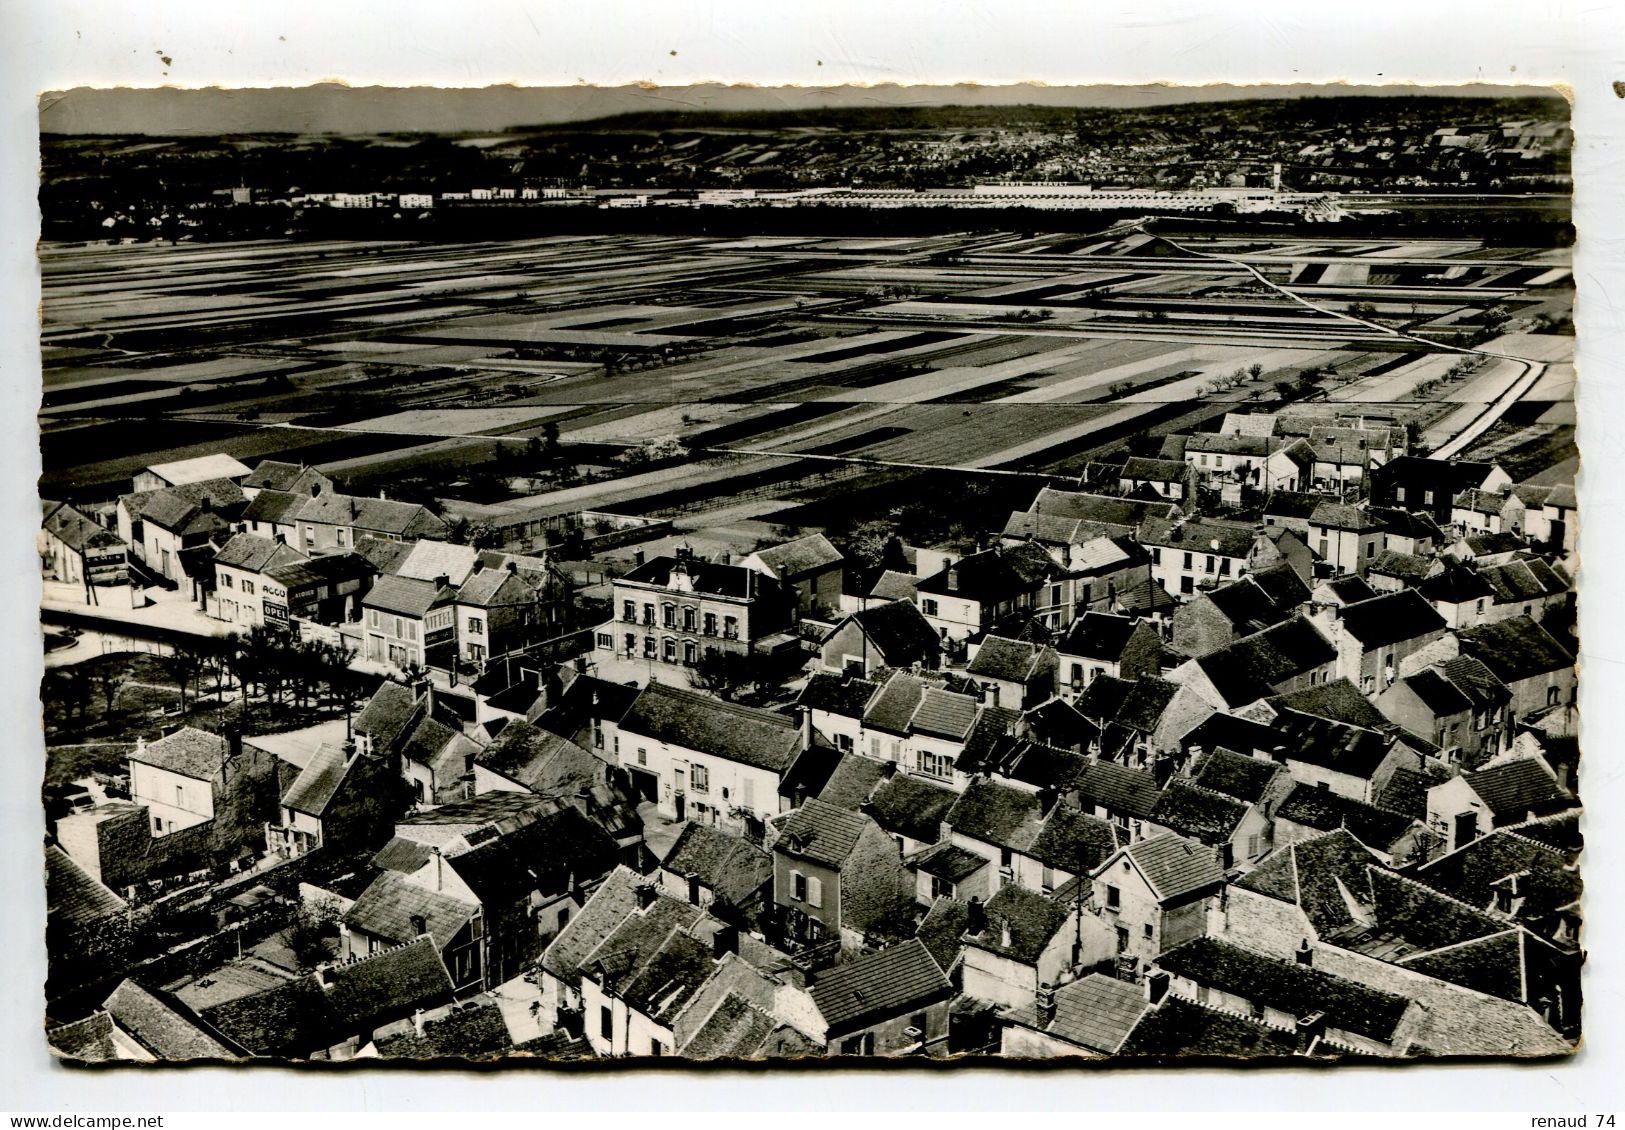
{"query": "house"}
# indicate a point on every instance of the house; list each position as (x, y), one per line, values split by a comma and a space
(1524, 870)
(925, 728)
(560, 965)
(1458, 703)
(891, 1002)
(240, 589)
(1350, 760)
(527, 758)
(1308, 812)
(1238, 832)
(1374, 637)
(1021, 941)
(999, 822)
(1412, 482)
(1408, 531)
(1156, 893)
(1512, 790)
(329, 522)
(1291, 510)
(280, 477)
(1220, 616)
(1346, 537)
(810, 567)
(195, 779)
(975, 594)
(321, 590)
(506, 604)
(334, 1012)
(399, 907)
(271, 513)
(670, 612)
(708, 760)
(1147, 722)
(416, 727)
(837, 704)
(1529, 660)
(1092, 1016)
(1523, 586)
(1187, 554)
(1478, 512)
(1288, 656)
(342, 799)
(186, 472)
(894, 635)
(147, 1025)
(1100, 643)
(77, 550)
(1286, 994)
(947, 871)
(1172, 479)
(1546, 515)
(1392, 570)
(708, 866)
(836, 876)
(159, 525)
(409, 624)
(1486, 987)
(1112, 515)
(1230, 462)
(910, 809)
(1013, 673)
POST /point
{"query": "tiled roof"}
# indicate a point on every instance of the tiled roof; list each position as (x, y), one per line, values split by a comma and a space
(73, 895)
(1058, 723)
(708, 577)
(1199, 535)
(1236, 775)
(84, 1041)
(427, 559)
(895, 586)
(853, 780)
(373, 515)
(1515, 649)
(161, 1027)
(1344, 516)
(669, 979)
(1103, 698)
(1542, 878)
(949, 861)
(1259, 600)
(1141, 468)
(1074, 841)
(77, 531)
(1517, 786)
(1251, 667)
(1013, 661)
(274, 507)
(1031, 919)
(615, 898)
(836, 694)
(943, 714)
(388, 985)
(319, 781)
(942, 930)
(1098, 635)
(821, 832)
(894, 705)
(731, 866)
(1411, 568)
(1174, 865)
(330, 568)
(879, 986)
(402, 595)
(618, 960)
(1097, 1012)
(470, 1030)
(1337, 746)
(387, 907)
(1180, 1028)
(803, 555)
(1288, 986)
(1193, 811)
(995, 575)
(1390, 618)
(736, 1029)
(402, 854)
(385, 555)
(1291, 504)
(1338, 700)
(1326, 811)
(188, 751)
(997, 814)
(761, 739)
(1119, 788)
(1347, 589)
(1147, 700)
(1523, 579)
(1104, 508)
(254, 553)
(907, 806)
(539, 759)
(544, 857)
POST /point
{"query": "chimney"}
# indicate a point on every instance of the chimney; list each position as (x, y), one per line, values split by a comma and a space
(1045, 1002)
(1004, 933)
(724, 942)
(637, 557)
(355, 509)
(234, 742)
(726, 558)
(796, 977)
(694, 891)
(646, 895)
(513, 567)
(442, 580)
(315, 489)
(281, 538)
(1162, 770)
(205, 504)
(417, 1022)
(420, 925)
(479, 565)
(975, 917)
(1306, 953)
(324, 975)
(349, 750)
(1156, 987)
(1226, 855)
(804, 721)
(953, 578)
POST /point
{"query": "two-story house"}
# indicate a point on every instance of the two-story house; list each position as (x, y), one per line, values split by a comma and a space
(330, 522)
(408, 623)
(1458, 703)
(836, 875)
(1156, 893)
(1374, 637)
(1219, 617)
(977, 593)
(891, 635)
(810, 567)
(240, 589)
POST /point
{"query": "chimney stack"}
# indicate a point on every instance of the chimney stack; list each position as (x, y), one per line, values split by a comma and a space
(1045, 1002)
(1156, 987)
(804, 721)
(1310, 1029)
(975, 916)
(646, 895)
(1004, 933)
(724, 942)
(417, 1022)
(1306, 953)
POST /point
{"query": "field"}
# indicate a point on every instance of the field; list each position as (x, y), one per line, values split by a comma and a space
(776, 361)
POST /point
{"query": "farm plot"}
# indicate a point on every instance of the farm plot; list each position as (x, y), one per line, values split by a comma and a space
(457, 421)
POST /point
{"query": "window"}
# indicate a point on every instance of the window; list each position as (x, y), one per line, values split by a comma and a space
(476, 626)
(564, 917)
(180, 796)
(656, 1047)
(730, 628)
(1427, 498)
(342, 536)
(928, 606)
(941, 888)
(1399, 494)
(648, 647)
(668, 650)
(1122, 939)
(1224, 567)
(843, 742)
(798, 886)
(1077, 674)
(1210, 565)
(606, 1023)
(1006, 858)
(372, 617)
(1187, 585)
(1049, 879)
(688, 619)
(934, 764)
(1156, 555)
(1551, 696)
(691, 652)
(1114, 897)
(1370, 549)
(1149, 931)
(649, 614)
(748, 798)
(605, 640)
(629, 611)
(710, 623)
(225, 580)
(668, 615)
(699, 778)
(1255, 1009)
(631, 643)
(815, 892)
(1190, 561)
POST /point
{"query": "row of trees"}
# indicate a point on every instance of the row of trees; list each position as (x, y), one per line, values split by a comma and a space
(275, 666)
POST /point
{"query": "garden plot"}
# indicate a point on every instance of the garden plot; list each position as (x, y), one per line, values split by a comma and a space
(1400, 384)
(456, 421)
(1198, 387)
(673, 419)
(1486, 384)
(951, 381)
(1087, 386)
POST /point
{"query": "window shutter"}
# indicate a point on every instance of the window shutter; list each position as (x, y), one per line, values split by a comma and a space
(798, 886)
(749, 797)
(815, 892)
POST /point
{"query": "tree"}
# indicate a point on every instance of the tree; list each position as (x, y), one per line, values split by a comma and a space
(1255, 370)
(185, 662)
(723, 673)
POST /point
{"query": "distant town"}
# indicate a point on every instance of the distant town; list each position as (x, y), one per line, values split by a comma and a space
(1147, 638)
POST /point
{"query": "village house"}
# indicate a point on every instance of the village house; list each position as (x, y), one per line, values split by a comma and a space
(329, 522)
(240, 582)
(409, 624)
(321, 590)
(416, 727)
(503, 608)
(1413, 482)
(1533, 664)
(1307, 812)
(1090, 1017)
(1289, 656)
(342, 799)
(1478, 512)
(1374, 637)
(1346, 537)
(892, 635)
(837, 877)
(1021, 941)
(162, 525)
(1102, 644)
(706, 865)
(1220, 616)
(1013, 673)
(891, 1002)
(1458, 703)
(186, 472)
(1156, 893)
(1546, 515)
(976, 594)
(280, 477)
(702, 759)
(671, 612)
(810, 567)
(78, 550)
(1172, 479)
(1511, 790)
(1527, 871)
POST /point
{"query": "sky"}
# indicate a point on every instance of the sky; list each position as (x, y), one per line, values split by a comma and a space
(333, 108)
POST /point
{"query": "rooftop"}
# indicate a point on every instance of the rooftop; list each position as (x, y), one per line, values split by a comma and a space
(879, 986)
(762, 739)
